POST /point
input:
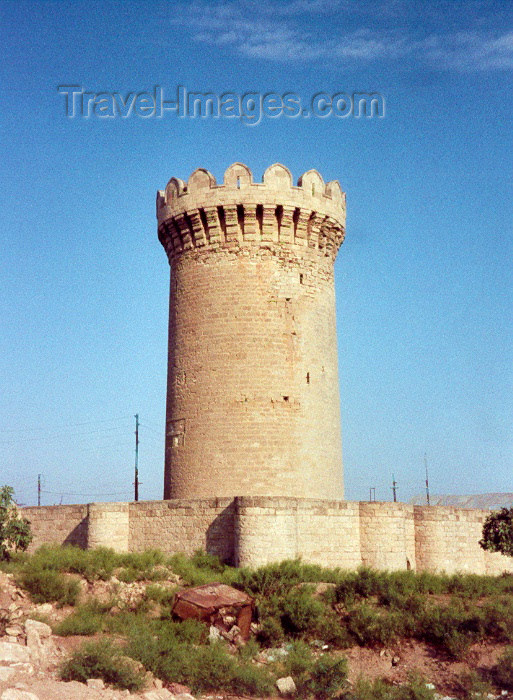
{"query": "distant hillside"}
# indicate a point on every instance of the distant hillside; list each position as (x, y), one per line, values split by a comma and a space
(488, 501)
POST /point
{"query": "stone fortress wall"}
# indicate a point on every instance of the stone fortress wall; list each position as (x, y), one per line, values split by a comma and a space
(251, 531)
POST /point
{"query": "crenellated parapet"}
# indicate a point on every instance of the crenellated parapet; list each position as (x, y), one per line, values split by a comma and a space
(201, 214)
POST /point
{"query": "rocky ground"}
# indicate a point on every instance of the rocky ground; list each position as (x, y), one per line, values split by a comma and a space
(30, 656)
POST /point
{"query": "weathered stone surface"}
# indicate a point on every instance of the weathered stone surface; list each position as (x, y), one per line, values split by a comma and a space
(16, 694)
(252, 276)
(42, 630)
(162, 694)
(286, 685)
(25, 668)
(12, 653)
(6, 673)
(95, 683)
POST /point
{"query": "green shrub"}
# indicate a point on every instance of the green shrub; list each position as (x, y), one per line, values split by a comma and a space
(452, 627)
(327, 677)
(213, 668)
(193, 572)
(141, 561)
(300, 612)
(91, 564)
(273, 579)
(128, 575)
(94, 564)
(503, 671)
(473, 687)
(380, 689)
(322, 677)
(102, 659)
(370, 627)
(164, 595)
(15, 531)
(85, 620)
(498, 618)
(271, 631)
(47, 586)
(174, 654)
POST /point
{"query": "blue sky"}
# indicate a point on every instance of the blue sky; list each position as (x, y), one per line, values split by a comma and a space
(423, 280)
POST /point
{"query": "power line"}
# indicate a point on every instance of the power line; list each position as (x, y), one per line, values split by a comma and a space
(67, 425)
(153, 430)
(69, 493)
(58, 436)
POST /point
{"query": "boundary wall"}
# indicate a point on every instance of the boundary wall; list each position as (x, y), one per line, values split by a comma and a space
(251, 531)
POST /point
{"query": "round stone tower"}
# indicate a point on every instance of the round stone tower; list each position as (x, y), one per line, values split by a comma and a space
(252, 394)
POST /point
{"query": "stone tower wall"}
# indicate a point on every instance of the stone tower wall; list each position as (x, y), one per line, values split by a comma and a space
(252, 400)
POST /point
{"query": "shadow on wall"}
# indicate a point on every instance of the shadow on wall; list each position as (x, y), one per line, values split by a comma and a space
(79, 535)
(220, 535)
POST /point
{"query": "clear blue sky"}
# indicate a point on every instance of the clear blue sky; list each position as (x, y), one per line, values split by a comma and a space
(424, 279)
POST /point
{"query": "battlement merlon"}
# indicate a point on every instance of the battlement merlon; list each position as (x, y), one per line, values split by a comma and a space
(241, 212)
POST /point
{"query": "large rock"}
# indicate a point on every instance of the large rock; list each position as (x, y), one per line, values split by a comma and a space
(15, 694)
(162, 694)
(39, 642)
(13, 653)
(40, 628)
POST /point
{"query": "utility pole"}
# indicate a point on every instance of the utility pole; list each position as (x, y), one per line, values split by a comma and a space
(39, 489)
(427, 479)
(394, 488)
(136, 482)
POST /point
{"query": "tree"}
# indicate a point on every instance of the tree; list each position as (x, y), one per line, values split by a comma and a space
(498, 532)
(14, 530)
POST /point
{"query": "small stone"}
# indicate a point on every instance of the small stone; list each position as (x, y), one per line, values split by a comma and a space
(95, 683)
(504, 693)
(429, 686)
(44, 608)
(395, 662)
(157, 683)
(286, 685)
(12, 653)
(6, 673)
(214, 635)
(13, 631)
